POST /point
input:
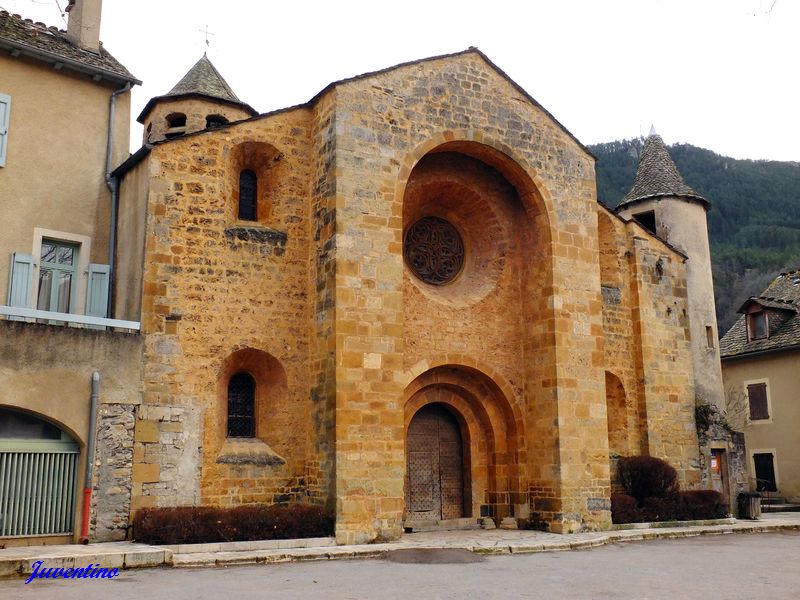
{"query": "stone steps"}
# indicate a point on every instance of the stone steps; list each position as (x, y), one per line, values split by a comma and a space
(442, 525)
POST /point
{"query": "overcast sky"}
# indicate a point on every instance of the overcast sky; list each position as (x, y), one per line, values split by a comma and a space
(721, 74)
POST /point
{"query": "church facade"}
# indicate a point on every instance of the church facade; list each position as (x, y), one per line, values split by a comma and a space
(401, 299)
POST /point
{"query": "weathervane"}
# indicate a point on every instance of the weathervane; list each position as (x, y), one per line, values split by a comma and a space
(207, 33)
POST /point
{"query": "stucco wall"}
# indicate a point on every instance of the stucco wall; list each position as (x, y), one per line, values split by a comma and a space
(54, 177)
(47, 370)
(779, 432)
(134, 191)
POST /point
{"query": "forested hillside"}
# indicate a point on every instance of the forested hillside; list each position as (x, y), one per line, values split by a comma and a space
(754, 221)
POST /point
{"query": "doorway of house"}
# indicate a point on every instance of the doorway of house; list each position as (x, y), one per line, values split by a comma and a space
(435, 466)
(765, 472)
(719, 472)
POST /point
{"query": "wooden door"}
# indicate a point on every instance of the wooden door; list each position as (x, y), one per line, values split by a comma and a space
(435, 487)
(719, 472)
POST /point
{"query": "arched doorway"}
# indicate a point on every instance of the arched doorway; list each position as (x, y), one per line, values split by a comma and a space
(435, 466)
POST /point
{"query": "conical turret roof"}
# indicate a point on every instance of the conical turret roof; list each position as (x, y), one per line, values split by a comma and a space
(202, 80)
(657, 175)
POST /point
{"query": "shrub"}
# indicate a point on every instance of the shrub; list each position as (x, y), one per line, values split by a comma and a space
(625, 509)
(647, 477)
(192, 525)
(702, 504)
(661, 509)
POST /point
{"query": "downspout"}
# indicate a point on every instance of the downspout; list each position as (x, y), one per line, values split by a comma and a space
(87, 484)
(113, 186)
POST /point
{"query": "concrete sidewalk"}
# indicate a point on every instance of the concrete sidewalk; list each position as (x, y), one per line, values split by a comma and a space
(127, 555)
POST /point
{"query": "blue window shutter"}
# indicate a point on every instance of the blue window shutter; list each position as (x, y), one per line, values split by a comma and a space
(97, 294)
(5, 117)
(20, 280)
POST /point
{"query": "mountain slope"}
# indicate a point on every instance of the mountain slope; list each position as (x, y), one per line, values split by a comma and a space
(754, 221)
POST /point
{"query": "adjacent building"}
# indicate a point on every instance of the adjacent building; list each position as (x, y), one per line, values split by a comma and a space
(761, 368)
(64, 124)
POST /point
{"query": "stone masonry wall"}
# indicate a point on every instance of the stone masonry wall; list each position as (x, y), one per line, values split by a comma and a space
(385, 124)
(621, 343)
(220, 295)
(196, 111)
(666, 388)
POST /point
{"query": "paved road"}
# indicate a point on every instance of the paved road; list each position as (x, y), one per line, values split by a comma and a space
(731, 567)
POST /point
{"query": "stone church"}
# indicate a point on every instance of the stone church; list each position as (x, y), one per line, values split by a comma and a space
(401, 299)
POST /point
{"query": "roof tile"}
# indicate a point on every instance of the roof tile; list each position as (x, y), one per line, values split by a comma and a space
(783, 295)
(24, 34)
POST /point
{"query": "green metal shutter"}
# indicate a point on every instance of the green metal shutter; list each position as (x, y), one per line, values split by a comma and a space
(97, 294)
(20, 280)
(37, 492)
(5, 118)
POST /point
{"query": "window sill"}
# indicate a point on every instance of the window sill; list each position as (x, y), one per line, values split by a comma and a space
(70, 319)
(248, 451)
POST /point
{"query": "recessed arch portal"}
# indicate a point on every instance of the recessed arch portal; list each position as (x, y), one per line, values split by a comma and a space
(492, 452)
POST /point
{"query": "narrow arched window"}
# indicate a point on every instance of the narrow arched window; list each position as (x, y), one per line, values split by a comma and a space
(248, 187)
(241, 406)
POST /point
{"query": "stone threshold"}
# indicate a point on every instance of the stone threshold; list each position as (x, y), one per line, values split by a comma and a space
(318, 542)
(669, 524)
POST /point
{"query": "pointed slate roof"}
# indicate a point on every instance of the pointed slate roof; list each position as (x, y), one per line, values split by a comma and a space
(202, 80)
(657, 175)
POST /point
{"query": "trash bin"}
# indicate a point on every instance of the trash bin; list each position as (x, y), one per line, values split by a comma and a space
(749, 505)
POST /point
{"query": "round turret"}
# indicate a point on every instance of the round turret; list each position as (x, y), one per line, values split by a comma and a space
(664, 204)
(202, 99)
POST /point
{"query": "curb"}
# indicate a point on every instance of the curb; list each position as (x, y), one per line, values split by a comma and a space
(18, 562)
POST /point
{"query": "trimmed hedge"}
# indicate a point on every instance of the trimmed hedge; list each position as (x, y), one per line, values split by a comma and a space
(201, 524)
(647, 477)
(685, 506)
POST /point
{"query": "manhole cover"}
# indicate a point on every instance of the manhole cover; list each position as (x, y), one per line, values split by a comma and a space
(433, 556)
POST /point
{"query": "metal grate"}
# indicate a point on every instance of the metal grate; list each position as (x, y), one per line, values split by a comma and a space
(241, 406)
(37, 492)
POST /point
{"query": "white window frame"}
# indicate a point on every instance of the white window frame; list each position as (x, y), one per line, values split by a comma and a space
(765, 381)
(84, 244)
(774, 453)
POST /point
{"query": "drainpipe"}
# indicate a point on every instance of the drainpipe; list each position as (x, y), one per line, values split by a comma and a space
(87, 485)
(113, 187)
